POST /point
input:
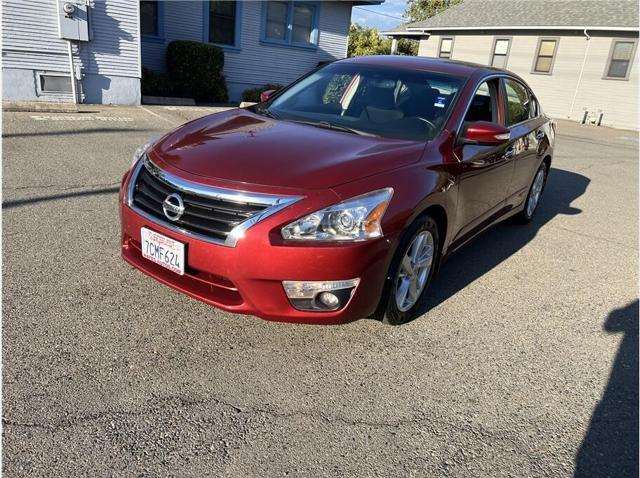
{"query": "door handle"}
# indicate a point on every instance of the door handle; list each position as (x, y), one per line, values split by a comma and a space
(508, 154)
(540, 135)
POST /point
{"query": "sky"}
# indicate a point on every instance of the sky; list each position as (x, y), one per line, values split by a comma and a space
(383, 17)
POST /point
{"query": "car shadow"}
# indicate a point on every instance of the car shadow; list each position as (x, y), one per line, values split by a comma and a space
(503, 240)
(610, 446)
(55, 197)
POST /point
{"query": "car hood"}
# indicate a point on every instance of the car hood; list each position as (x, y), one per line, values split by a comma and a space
(244, 147)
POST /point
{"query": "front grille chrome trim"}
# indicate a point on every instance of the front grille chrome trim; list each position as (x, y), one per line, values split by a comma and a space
(274, 203)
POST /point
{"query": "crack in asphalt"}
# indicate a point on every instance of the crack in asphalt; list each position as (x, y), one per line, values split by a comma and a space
(433, 424)
(592, 236)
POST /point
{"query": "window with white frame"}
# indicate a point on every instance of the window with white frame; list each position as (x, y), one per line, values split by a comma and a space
(290, 23)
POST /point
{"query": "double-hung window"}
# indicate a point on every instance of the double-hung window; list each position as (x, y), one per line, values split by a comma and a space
(500, 53)
(545, 55)
(446, 47)
(290, 23)
(620, 57)
(222, 22)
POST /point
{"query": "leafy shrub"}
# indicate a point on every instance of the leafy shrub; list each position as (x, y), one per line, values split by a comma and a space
(154, 84)
(253, 94)
(196, 70)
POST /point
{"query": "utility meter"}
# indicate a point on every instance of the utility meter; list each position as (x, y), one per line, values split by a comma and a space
(73, 20)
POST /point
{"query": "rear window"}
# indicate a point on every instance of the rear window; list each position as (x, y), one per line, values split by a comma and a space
(378, 101)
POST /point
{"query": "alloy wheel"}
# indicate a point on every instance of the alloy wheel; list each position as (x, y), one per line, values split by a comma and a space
(414, 270)
(536, 192)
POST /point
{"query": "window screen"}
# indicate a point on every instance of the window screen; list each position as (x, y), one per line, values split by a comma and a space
(620, 59)
(544, 58)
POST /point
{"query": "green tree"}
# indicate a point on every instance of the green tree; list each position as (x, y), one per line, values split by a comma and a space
(418, 10)
(366, 41)
(408, 47)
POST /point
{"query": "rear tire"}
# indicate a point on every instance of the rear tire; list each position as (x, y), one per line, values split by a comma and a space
(411, 271)
(535, 195)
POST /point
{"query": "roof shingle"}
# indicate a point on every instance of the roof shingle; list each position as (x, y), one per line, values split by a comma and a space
(528, 13)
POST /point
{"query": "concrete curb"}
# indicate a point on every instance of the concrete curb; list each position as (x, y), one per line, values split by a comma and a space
(40, 107)
(168, 101)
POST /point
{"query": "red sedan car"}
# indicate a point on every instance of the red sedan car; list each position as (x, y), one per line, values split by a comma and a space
(338, 197)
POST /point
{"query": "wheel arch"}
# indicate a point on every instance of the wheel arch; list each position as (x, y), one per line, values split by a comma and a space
(439, 215)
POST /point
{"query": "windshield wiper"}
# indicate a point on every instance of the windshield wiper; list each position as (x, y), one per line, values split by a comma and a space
(336, 127)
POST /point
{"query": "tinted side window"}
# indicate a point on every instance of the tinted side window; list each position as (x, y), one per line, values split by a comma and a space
(483, 105)
(518, 104)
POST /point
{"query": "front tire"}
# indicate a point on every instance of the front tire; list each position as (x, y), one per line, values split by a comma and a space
(535, 194)
(411, 271)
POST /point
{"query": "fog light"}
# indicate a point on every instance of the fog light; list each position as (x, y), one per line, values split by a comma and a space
(329, 300)
(320, 295)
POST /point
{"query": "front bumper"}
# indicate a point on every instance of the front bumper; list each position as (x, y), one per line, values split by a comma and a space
(247, 278)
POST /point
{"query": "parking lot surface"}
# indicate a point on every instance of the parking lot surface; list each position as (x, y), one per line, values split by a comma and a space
(526, 365)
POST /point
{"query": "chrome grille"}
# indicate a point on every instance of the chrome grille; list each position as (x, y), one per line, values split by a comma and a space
(211, 214)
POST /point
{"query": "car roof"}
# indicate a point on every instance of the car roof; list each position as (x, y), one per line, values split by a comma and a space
(452, 67)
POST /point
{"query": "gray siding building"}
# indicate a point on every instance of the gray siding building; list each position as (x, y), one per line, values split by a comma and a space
(36, 64)
(579, 56)
(254, 53)
(263, 42)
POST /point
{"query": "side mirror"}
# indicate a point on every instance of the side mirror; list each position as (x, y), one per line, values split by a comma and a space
(265, 95)
(485, 132)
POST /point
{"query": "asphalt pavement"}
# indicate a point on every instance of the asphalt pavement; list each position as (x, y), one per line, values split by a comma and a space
(526, 365)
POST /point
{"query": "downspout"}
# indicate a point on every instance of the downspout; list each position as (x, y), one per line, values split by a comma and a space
(72, 72)
(584, 61)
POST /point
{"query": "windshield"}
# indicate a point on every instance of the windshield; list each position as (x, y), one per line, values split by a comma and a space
(370, 100)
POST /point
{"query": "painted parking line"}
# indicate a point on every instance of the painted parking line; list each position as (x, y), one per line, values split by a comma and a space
(195, 108)
(156, 115)
(116, 119)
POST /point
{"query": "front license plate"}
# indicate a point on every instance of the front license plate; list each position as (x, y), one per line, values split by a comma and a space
(162, 250)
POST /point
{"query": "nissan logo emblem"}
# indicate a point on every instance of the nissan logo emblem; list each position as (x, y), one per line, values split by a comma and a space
(173, 207)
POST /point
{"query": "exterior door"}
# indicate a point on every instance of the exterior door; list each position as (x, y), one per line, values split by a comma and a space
(485, 171)
(527, 130)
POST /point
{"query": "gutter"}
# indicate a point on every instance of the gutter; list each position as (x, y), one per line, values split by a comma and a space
(523, 27)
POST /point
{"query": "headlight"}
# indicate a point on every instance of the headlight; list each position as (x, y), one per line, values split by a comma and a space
(355, 219)
(140, 150)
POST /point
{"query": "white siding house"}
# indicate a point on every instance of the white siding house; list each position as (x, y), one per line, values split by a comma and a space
(579, 56)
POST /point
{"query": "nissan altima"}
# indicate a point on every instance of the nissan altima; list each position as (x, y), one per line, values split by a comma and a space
(339, 196)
